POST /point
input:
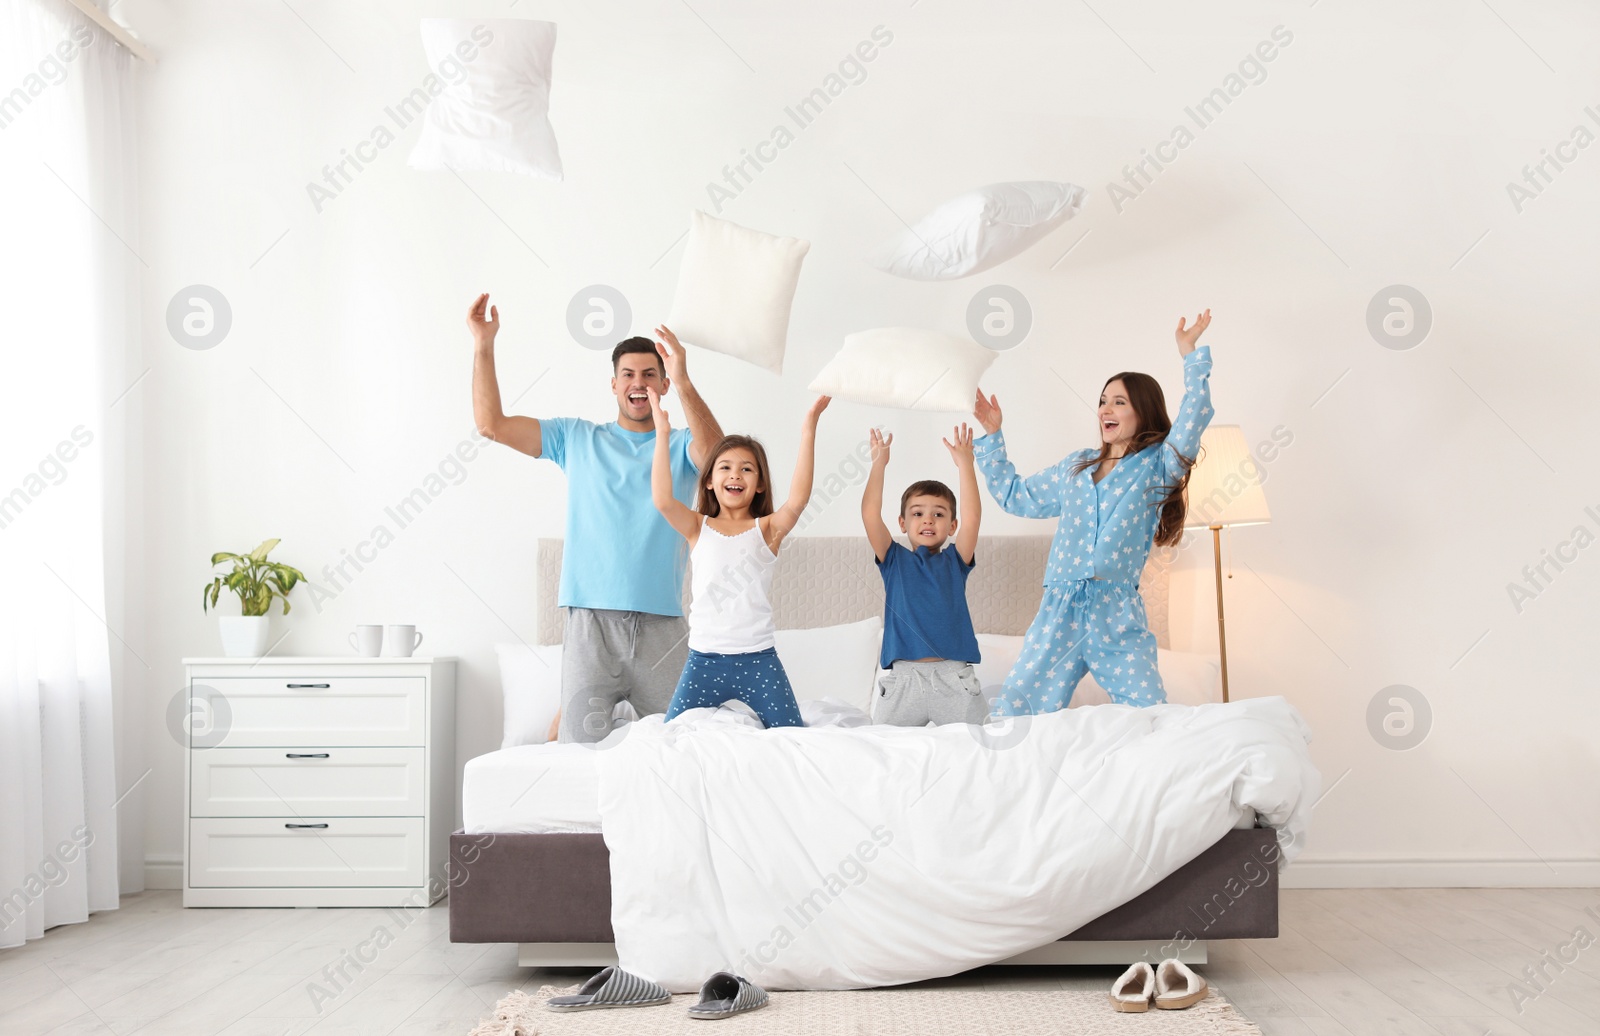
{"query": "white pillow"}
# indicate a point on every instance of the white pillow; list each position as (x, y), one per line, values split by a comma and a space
(908, 368)
(530, 681)
(998, 653)
(839, 662)
(491, 101)
(735, 286)
(1190, 678)
(979, 229)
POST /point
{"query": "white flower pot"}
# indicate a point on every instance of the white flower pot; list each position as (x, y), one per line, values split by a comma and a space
(243, 636)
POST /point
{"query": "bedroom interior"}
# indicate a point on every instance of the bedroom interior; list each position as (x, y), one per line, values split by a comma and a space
(243, 239)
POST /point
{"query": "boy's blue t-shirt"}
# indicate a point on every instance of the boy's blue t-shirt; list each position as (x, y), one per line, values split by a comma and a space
(620, 553)
(925, 605)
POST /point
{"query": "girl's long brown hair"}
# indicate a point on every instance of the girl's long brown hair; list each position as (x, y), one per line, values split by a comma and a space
(1150, 404)
(761, 502)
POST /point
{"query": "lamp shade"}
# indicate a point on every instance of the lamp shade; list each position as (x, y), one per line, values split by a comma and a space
(1225, 486)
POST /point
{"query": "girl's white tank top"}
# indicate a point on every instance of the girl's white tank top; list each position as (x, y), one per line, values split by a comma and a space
(731, 578)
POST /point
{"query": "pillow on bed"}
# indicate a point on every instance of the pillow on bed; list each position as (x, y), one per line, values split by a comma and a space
(530, 681)
(908, 368)
(979, 229)
(999, 653)
(839, 662)
(1190, 678)
(735, 287)
(492, 112)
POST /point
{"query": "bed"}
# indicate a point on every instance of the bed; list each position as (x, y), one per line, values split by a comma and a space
(532, 867)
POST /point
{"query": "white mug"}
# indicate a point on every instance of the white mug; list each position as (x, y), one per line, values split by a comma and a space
(367, 640)
(400, 641)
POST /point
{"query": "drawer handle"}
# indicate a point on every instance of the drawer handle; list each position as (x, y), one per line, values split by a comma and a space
(304, 825)
(305, 755)
(298, 686)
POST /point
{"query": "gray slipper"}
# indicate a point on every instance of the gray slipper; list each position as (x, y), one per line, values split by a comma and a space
(611, 987)
(726, 994)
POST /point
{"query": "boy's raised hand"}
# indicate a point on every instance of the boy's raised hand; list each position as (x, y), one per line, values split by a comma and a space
(879, 442)
(966, 537)
(1188, 336)
(961, 449)
(987, 411)
(872, 494)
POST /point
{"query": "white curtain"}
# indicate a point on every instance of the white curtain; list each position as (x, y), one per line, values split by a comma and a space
(69, 271)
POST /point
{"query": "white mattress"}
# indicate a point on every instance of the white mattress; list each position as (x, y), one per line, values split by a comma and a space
(532, 789)
(546, 789)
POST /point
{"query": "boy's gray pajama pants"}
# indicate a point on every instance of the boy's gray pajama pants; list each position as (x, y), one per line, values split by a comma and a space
(914, 694)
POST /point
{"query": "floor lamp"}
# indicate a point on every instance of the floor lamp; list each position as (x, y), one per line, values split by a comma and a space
(1225, 490)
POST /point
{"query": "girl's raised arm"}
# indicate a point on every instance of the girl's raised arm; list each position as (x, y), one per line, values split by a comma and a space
(678, 516)
(785, 518)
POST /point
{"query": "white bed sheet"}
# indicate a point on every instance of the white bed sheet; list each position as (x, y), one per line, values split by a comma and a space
(533, 790)
(555, 788)
(552, 789)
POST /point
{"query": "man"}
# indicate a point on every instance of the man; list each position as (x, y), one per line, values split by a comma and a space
(622, 569)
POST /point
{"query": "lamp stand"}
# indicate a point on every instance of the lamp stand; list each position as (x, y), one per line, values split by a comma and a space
(1222, 633)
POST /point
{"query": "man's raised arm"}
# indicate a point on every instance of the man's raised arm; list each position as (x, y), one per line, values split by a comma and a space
(519, 433)
(704, 431)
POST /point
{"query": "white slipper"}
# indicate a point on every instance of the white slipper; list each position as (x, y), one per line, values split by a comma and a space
(1177, 986)
(1132, 991)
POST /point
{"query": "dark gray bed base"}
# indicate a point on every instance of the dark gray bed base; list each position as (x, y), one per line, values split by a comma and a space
(557, 889)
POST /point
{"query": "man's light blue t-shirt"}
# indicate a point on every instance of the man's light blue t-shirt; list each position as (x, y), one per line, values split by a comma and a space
(620, 553)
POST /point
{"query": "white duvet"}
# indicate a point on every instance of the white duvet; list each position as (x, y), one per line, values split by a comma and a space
(838, 858)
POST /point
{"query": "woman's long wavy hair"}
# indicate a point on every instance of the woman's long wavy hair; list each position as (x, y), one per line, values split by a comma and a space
(1150, 404)
(760, 503)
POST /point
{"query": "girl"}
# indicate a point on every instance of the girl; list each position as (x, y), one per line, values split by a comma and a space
(1113, 502)
(733, 545)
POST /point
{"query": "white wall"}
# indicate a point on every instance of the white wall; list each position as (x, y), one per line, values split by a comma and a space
(1376, 152)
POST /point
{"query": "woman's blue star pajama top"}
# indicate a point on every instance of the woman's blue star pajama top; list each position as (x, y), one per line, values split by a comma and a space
(1092, 618)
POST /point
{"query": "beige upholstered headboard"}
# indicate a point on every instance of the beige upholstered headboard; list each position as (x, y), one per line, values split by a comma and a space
(828, 580)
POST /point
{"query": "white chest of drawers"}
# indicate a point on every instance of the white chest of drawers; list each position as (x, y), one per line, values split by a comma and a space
(318, 781)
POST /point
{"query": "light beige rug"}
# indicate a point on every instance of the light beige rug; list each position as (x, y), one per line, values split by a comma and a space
(881, 1012)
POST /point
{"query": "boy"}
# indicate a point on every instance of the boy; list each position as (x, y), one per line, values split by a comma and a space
(928, 643)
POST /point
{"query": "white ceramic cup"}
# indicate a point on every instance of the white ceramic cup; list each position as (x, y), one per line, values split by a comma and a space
(367, 640)
(400, 641)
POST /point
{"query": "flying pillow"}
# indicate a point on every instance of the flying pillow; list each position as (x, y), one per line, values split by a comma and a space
(490, 97)
(982, 228)
(907, 368)
(735, 287)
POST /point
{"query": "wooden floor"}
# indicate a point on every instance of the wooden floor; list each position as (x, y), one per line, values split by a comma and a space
(1440, 962)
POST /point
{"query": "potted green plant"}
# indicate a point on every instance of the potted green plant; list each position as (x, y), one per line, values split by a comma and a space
(257, 581)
